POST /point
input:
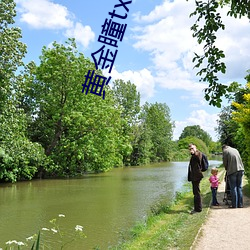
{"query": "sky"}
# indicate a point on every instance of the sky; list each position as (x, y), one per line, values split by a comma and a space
(155, 52)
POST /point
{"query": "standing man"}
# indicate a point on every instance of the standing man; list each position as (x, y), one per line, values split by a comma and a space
(235, 170)
(195, 175)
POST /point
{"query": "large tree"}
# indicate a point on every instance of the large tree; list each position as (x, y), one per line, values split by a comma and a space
(227, 127)
(128, 99)
(19, 158)
(12, 51)
(184, 142)
(156, 120)
(241, 115)
(196, 131)
(211, 63)
(80, 132)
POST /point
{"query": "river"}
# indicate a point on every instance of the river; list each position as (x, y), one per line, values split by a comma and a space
(104, 204)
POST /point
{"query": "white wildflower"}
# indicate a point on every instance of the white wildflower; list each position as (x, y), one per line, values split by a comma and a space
(54, 230)
(20, 243)
(78, 228)
(29, 238)
(10, 242)
(61, 215)
(45, 229)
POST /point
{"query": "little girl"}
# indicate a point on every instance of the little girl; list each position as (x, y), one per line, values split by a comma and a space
(214, 185)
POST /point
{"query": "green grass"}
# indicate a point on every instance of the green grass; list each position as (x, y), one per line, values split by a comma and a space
(246, 188)
(170, 226)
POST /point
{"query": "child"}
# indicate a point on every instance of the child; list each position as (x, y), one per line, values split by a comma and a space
(214, 185)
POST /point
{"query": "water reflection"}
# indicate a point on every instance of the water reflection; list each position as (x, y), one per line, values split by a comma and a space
(105, 204)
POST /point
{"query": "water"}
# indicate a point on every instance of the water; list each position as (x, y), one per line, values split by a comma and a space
(104, 204)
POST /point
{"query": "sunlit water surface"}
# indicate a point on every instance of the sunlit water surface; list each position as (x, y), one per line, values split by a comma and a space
(104, 204)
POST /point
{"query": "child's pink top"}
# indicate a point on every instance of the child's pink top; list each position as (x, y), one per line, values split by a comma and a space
(214, 181)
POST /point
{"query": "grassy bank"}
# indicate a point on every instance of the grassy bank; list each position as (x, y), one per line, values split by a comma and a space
(170, 227)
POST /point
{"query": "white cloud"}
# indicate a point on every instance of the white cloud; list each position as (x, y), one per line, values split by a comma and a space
(143, 80)
(165, 33)
(234, 41)
(44, 14)
(159, 12)
(170, 42)
(207, 122)
(83, 34)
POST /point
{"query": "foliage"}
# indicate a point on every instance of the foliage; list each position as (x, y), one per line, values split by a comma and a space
(80, 132)
(241, 115)
(128, 98)
(215, 148)
(227, 127)
(128, 101)
(205, 28)
(149, 131)
(12, 50)
(196, 131)
(20, 157)
(142, 145)
(233, 123)
(181, 154)
(156, 120)
(201, 146)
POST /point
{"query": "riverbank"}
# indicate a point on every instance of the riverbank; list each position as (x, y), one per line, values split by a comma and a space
(173, 227)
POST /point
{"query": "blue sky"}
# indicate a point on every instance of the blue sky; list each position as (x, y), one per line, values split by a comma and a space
(155, 53)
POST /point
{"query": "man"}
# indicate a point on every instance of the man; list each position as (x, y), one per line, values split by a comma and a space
(235, 170)
(195, 175)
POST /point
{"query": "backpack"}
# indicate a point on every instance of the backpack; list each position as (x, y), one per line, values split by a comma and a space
(204, 163)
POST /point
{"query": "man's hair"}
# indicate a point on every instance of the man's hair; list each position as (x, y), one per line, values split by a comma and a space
(224, 146)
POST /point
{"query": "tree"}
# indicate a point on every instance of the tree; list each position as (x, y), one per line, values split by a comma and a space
(242, 117)
(183, 144)
(128, 99)
(208, 23)
(80, 132)
(227, 127)
(233, 123)
(20, 158)
(12, 50)
(141, 145)
(156, 120)
(229, 130)
(196, 131)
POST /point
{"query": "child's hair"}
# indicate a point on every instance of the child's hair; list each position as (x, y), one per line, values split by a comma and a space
(214, 170)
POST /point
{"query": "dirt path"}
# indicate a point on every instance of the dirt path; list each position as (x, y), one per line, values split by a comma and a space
(225, 228)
